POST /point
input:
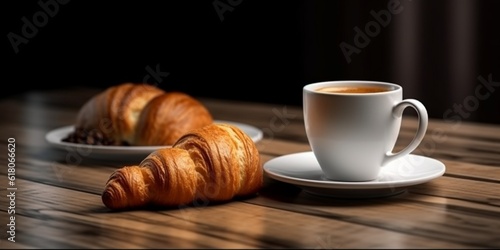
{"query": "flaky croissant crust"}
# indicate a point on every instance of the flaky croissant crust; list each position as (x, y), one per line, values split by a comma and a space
(167, 117)
(217, 162)
(142, 114)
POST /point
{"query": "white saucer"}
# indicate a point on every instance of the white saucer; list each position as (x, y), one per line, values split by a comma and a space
(302, 169)
(101, 152)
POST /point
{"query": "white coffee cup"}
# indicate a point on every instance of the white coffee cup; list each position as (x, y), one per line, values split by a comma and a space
(352, 135)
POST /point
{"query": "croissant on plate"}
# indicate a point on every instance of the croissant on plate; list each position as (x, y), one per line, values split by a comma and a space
(139, 115)
(215, 163)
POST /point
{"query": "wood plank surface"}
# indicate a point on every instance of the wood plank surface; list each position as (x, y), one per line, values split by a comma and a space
(58, 197)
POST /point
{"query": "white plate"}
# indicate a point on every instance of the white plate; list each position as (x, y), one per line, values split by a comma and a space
(302, 169)
(55, 137)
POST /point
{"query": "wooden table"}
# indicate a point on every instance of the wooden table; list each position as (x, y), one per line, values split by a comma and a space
(58, 204)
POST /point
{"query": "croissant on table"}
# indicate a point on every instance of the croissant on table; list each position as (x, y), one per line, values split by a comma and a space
(215, 163)
(138, 115)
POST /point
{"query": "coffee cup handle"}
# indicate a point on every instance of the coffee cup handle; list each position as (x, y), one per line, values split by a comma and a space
(423, 120)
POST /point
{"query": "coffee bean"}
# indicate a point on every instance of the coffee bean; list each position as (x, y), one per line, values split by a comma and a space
(92, 137)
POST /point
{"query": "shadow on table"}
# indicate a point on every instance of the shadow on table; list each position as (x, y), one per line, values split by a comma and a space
(287, 193)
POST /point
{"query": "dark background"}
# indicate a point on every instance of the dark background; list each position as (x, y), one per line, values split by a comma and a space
(263, 51)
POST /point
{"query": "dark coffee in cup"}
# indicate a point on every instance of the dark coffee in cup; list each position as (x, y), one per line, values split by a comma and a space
(354, 89)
